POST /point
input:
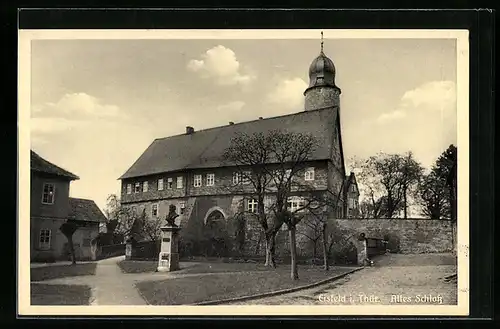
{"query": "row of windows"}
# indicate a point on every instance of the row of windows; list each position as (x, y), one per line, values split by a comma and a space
(238, 178)
(155, 209)
(45, 240)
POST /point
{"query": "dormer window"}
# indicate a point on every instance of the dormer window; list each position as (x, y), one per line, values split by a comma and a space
(48, 193)
(309, 174)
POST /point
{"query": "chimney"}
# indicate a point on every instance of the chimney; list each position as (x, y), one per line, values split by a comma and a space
(231, 123)
(260, 118)
(189, 130)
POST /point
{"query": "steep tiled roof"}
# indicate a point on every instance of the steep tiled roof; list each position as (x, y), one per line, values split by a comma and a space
(204, 148)
(41, 165)
(85, 210)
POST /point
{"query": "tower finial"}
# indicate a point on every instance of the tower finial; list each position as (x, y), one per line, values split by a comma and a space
(321, 41)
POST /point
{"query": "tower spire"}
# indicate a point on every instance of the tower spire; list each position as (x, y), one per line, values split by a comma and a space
(322, 42)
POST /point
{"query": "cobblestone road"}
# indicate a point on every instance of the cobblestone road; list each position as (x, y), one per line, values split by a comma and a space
(393, 279)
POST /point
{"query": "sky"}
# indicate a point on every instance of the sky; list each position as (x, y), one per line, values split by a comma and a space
(96, 105)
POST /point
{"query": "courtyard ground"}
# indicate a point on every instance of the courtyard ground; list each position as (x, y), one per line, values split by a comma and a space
(196, 282)
(394, 279)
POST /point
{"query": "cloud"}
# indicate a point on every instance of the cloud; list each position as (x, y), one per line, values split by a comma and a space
(288, 94)
(76, 106)
(231, 106)
(435, 95)
(220, 63)
(71, 111)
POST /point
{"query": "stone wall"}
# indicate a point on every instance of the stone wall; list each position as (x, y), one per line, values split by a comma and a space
(407, 235)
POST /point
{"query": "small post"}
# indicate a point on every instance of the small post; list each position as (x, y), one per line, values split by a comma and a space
(361, 250)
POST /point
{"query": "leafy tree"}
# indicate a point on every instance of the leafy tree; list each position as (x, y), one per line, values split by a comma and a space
(388, 179)
(433, 196)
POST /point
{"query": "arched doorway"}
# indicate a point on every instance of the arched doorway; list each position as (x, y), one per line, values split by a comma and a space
(216, 234)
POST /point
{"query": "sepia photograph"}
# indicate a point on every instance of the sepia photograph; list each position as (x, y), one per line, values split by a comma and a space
(246, 172)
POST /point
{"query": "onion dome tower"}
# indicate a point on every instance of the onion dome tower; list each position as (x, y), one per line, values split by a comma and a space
(322, 91)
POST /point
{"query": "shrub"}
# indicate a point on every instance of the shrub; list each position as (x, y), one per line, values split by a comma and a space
(393, 242)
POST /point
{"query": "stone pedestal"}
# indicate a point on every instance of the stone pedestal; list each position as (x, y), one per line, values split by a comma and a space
(168, 259)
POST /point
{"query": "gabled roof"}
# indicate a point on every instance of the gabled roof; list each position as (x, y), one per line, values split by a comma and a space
(204, 148)
(349, 180)
(39, 164)
(85, 210)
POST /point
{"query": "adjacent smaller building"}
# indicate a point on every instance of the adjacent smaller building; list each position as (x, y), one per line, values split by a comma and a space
(51, 206)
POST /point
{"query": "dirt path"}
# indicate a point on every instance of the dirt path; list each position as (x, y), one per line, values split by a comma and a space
(395, 279)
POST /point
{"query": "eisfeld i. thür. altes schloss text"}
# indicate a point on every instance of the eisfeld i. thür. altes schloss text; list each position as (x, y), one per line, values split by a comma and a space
(393, 299)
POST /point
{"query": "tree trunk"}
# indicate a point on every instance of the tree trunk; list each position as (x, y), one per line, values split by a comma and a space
(270, 249)
(315, 246)
(325, 251)
(405, 205)
(294, 274)
(72, 249)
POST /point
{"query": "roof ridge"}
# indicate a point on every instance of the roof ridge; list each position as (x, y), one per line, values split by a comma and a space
(250, 121)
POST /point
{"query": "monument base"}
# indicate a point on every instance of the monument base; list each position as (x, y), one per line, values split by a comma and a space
(168, 262)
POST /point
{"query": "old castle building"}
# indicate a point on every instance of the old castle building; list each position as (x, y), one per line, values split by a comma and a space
(187, 170)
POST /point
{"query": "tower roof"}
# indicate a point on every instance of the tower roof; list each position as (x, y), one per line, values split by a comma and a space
(322, 70)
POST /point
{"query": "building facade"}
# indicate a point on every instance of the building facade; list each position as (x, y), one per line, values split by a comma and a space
(188, 170)
(51, 206)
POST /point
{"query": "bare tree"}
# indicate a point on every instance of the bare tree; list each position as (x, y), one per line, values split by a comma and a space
(410, 174)
(269, 163)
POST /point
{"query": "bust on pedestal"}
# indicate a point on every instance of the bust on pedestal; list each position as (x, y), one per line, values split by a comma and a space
(168, 259)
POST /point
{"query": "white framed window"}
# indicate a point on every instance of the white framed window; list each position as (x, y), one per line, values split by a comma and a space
(197, 181)
(179, 182)
(170, 183)
(160, 184)
(252, 205)
(154, 210)
(182, 207)
(295, 203)
(246, 177)
(309, 174)
(48, 193)
(137, 187)
(236, 178)
(129, 188)
(45, 237)
(210, 179)
(145, 186)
